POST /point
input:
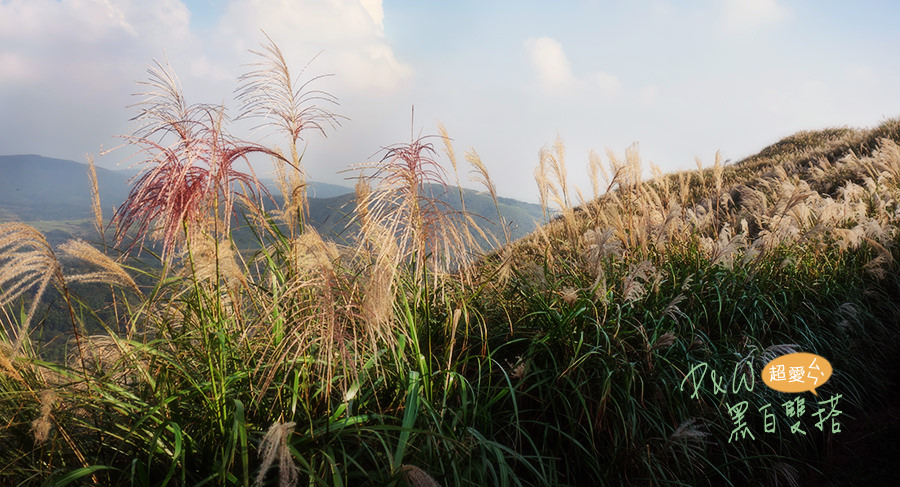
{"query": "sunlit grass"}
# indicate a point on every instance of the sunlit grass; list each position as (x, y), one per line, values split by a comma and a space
(407, 354)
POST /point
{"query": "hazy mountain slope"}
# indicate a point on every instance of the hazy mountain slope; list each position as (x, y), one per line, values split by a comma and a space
(315, 189)
(333, 216)
(34, 187)
(37, 188)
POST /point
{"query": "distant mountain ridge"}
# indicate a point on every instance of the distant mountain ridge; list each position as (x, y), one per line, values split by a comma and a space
(34, 187)
(38, 188)
(334, 216)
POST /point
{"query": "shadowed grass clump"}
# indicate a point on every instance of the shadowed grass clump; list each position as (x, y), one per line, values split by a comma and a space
(616, 345)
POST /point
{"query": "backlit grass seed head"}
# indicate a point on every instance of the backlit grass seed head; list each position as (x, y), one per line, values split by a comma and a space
(883, 261)
(416, 477)
(105, 355)
(274, 448)
(832, 213)
(505, 267)
(848, 238)
(383, 253)
(288, 104)
(555, 160)
(887, 159)
(542, 178)
(640, 276)
(448, 146)
(600, 245)
(480, 175)
(188, 173)
(596, 171)
(111, 272)
(26, 256)
(313, 257)
(403, 196)
(26, 261)
(7, 367)
(292, 185)
(724, 249)
(690, 440)
(664, 341)
(214, 261)
(40, 427)
(518, 369)
(772, 352)
(672, 310)
(96, 209)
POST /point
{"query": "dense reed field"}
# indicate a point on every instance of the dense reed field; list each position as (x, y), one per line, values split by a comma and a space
(620, 344)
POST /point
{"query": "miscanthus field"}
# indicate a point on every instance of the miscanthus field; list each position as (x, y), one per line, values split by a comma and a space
(421, 349)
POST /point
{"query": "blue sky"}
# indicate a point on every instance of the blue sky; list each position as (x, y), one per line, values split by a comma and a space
(684, 79)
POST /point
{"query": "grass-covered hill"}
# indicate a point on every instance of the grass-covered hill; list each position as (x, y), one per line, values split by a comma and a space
(792, 249)
(623, 343)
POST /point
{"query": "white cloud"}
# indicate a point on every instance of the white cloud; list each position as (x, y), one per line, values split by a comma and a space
(117, 17)
(554, 72)
(608, 85)
(350, 32)
(202, 67)
(92, 21)
(76, 37)
(376, 11)
(861, 74)
(548, 59)
(647, 95)
(68, 67)
(661, 8)
(742, 16)
(17, 68)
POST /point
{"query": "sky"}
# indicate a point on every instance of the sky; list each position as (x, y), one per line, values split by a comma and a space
(683, 79)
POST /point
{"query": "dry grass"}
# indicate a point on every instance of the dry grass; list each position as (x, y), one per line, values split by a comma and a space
(480, 175)
(9, 369)
(41, 426)
(416, 477)
(274, 93)
(214, 261)
(402, 201)
(96, 209)
(277, 95)
(110, 271)
(292, 185)
(274, 448)
(26, 261)
(188, 180)
(731, 212)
